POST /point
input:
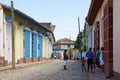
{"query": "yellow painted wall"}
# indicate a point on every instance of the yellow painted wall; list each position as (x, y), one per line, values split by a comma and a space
(21, 41)
(18, 37)
(44, 46)
(15, 41)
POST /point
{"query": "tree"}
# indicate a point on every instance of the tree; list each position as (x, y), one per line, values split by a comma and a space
(78, 42)
(81, 41)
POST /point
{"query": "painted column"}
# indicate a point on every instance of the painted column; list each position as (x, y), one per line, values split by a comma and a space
(21, 46)
(1, 31)
(44, 47)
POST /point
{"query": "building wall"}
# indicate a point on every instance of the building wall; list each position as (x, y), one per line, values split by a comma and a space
(59, 49)
(99, 18)
(7, 42)
(89, 41)
(1, 31)
(104, 32)
(50, 48)
(21, 42)
(17, 41)
(30, 44)
(90, 38)
(34, 44)
(92, 42)
(44, 46)
(47, 48)
(116, 38)
(108, 37)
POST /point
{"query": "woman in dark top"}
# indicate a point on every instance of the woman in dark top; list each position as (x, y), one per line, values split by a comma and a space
(65, 58)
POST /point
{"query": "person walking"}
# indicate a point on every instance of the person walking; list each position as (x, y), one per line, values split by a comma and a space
(65, 59)
(83, 61)
(89, 55)
(97, 57)
(101, 59)
(94, 59)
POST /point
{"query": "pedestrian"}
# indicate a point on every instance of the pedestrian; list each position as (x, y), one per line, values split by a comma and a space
(97, 57)
(83, 61)
(89, 55)
(101, 59)
(52, 55)
(65, 59)
(94, 59)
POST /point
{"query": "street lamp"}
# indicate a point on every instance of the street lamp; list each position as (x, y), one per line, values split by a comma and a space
(13, 45)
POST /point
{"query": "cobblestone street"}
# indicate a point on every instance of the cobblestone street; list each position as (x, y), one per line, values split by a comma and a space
(52, 70)
(46, 71)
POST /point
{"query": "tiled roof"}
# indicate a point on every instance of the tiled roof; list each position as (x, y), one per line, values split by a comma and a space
(24, 16)
(64, 41)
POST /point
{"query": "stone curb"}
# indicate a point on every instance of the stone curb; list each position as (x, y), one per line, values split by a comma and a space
(24, 65)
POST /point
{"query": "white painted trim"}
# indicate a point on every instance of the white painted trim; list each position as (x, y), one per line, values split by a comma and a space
(27, 29)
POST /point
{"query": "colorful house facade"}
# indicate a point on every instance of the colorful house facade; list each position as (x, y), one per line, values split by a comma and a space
(30, 38)
(103, 17)
(50, 39)
(61, 45)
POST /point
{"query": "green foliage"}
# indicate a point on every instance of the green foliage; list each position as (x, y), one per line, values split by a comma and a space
(76, 44)
(80, 41)
(84, 48)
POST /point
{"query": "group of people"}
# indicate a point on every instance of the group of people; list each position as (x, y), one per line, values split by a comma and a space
(94, 60)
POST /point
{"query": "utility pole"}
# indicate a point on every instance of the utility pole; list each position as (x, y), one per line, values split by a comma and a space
(70, 46)
(79, 37)
(13, 45)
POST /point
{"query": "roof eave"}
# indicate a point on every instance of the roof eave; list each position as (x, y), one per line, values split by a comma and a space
(93, 10)
(28, 18)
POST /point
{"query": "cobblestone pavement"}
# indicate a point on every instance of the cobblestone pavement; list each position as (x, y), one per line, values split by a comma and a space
(47, 71)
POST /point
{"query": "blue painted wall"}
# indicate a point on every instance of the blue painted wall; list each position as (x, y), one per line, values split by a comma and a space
(34, 45)
(41, 45)
(26, 43)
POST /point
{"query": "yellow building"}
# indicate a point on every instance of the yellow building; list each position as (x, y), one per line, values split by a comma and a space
(30, 37)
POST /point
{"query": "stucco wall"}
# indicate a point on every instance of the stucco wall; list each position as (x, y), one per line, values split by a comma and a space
(99, 18)
(1, 31)
(8, 41)
(44, 46)
(116, 35)
(21, 41)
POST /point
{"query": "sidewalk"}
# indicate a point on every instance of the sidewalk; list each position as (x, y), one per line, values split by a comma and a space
(99, 75)
(23, 65)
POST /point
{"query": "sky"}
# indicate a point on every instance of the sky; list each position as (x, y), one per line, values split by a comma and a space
(61, 13)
